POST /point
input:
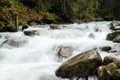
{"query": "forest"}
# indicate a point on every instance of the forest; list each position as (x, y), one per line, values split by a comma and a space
(28, 12)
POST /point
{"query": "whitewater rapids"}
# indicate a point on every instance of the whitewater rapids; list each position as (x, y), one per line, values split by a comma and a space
(37, 60)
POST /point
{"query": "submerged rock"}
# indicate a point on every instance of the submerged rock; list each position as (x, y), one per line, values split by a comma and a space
(117, 39)
(107, 60)
(31, 32)
(54, 26)
(14, 42)
(91, 35)
(65, 51)
(116, 74)
(24, 27)
(81, 65)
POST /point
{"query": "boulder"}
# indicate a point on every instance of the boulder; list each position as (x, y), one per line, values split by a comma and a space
(31, 32)
(65, 51)
(82, 65)
(116, 74)
(14, 42)
(91, 35)
(115, 25)
(109, 59)
(106, 48)
(113, 35)
(25, 27)
(117, 39)
(54, 26)
(105, 72)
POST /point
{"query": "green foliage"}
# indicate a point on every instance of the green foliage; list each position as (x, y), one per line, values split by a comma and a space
(57, 11)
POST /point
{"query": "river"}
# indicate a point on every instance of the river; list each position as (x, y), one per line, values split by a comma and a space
(36, 59)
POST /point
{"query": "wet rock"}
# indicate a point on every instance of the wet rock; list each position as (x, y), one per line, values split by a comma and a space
(106, 48)
(54, 26)
(14, 42)
(31, 32)
(112, 27)
(113, 35)
(81, 65)
(24, 27)
(117, 39)
(65, 51)
(115, 25)
(105, 72)
(116, 74)
(109, 59)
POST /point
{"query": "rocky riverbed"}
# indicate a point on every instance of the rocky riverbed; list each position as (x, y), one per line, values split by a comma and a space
(87, 51)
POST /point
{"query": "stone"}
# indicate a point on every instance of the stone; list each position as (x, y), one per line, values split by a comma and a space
(109, 59)
(113, 35)
(106, 48)
(24, 27)
(54, 26)
(117, 39)
(105, 72)
(82, 65)
(65, 51)
(91, 35)
(31, 32)
(116, 74)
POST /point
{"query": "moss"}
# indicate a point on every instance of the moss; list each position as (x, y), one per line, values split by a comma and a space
(116, 74)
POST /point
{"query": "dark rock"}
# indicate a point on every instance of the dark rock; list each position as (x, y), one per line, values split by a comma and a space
(116, 74)
(106, 48)
(24, 27)
(54, 26)
(31, 32)
(113, 35)
(117, 39)
(105, 72)
(81, 65)
(112, 27)
(65, 51)
(109, 59)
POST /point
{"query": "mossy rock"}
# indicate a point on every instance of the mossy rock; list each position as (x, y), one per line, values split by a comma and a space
(116, 74)
(117, 39)
(82, 65)
(105, 72)
(109, 59)
(113, 35)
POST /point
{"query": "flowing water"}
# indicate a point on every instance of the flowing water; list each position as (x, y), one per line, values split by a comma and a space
(36, 57)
